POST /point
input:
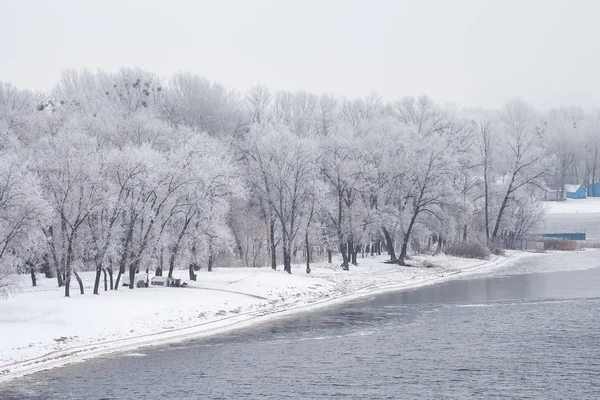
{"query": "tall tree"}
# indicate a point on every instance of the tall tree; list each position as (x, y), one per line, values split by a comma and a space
(282, 167)
(528, 161)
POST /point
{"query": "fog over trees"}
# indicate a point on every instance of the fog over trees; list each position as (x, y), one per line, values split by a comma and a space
(122, 172)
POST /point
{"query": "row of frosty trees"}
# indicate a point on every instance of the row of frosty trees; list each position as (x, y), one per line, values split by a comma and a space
(117, 172)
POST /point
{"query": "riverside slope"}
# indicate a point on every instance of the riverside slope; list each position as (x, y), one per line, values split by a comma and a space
(41, 329)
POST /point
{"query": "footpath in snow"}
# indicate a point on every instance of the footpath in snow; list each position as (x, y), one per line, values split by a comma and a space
(41, 329)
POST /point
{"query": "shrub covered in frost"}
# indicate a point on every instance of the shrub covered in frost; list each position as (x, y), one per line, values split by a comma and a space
(468, 250)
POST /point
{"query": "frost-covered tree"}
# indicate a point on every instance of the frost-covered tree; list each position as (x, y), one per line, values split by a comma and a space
(527, 162)
(562, 128)
(67, 166)
(339, 168)
(203, 105)
(439, 141)
(282, 168)
(201, 205)
(127, 171)
(256, 104)
(23, 213)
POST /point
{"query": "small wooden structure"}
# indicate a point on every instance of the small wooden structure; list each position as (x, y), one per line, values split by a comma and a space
(160, 281)
(555, 195)
(528, 245)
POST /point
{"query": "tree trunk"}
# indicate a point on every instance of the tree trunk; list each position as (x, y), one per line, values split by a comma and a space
(210, 262)
(46, 267)
(79, 281)
(175, 249)
(192, 273)
(105, 280)
(57, 263)
(485, 132)
(329, 256)
(404, 250)
(159, 270)
(487, 211)
(379, 248)
(586, 179)
(272, 244)
(134, 269)
(500, 213)
(97, 279)
(118, 279)
(68, 285)
(440, 244)
(32, 271)
(172, 261)
(121, 269)
(110, 275)
(389, 244)
(349, 249)
(594, 172)
(68, 267)
(132, 272)
(287, 259)
(354, 254)
(345, 264)
(59, 277)
(211, 255)
(287, 255)
(307, 253)
(193, 266)
(242, 255)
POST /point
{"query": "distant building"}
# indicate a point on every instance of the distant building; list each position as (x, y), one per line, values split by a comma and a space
(554, 195)
(576, 191)
(593, 190)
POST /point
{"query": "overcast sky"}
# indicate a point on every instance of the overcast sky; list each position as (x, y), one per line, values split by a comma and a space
(471, 52)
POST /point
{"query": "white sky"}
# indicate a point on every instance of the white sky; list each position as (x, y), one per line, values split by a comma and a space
(472, 52)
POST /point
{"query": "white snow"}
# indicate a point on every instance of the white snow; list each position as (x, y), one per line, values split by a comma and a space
(572, 188)
(41, 329)
(588, 205)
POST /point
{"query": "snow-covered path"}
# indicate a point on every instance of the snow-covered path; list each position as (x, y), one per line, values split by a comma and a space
(41, 329)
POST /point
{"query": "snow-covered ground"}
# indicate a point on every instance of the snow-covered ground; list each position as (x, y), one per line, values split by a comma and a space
(573, 215)
(589, 205)
(41, 329)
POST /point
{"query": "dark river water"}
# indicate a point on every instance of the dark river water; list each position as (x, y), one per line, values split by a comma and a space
(529, 330)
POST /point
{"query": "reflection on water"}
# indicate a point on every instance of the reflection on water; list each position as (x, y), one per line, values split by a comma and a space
(528, 335)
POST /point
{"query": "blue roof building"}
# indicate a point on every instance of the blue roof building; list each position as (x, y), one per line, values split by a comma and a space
(593, 190)
(576, 191)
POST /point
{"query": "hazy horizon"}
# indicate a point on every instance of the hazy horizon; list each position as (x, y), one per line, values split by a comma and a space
(471, 53)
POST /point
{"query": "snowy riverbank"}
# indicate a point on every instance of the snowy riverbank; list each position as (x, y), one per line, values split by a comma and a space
(590, 205)
(41, 329)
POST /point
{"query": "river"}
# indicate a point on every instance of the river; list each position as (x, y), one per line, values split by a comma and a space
(527, 330)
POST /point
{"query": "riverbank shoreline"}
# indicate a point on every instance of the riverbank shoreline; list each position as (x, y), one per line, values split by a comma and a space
(38, 321)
